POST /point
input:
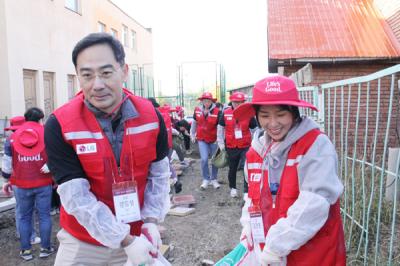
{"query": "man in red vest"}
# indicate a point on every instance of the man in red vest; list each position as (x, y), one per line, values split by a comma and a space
(108, 152)
(292, 212)
(32, 183)
(235, 136)
(204, 130)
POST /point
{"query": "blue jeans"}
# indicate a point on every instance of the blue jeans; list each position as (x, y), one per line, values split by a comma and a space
(18, 218)
(28, 199)
(207, 149)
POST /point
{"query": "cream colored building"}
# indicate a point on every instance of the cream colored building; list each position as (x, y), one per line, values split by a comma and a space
(36, 42)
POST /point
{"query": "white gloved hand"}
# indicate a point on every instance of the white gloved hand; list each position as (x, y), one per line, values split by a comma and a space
(221, 146)
(45, 169)
(246, 234)
(139, 250)
(150, 230)
(268, 257)
(193, 139)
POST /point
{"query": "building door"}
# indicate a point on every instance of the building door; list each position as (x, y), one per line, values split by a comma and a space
(30, 88)
(48, 84)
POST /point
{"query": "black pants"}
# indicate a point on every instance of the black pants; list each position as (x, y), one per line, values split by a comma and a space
(234, 156)
(186, 139)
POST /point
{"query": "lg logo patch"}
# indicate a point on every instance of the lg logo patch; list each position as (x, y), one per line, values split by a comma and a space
(86, 148)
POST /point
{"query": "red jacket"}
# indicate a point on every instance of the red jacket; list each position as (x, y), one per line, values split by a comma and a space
(26, 170)
(206, 126)
(81, 130)
(327, 247)
(230, 125)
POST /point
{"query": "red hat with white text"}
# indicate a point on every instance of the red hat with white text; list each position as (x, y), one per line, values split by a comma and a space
(273, 90)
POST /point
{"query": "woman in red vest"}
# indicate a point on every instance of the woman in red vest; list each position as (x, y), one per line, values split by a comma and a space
(204, 130)
(292, 214)
(235, 136)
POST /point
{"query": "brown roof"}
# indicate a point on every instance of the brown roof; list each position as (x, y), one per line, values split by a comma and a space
(328, 29)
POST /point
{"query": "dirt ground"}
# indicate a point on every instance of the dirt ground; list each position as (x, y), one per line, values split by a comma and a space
(209, 233)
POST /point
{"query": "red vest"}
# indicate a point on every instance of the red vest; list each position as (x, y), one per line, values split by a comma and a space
(168, 124)
(206, 126)
(81, 130)
(230, 125)
(26, 170)
(327, 247)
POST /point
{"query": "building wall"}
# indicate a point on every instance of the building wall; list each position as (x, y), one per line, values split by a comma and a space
(40, 35)
(390, 11)
(5, 106)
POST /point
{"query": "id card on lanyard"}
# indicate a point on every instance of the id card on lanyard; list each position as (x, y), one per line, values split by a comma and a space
(126, 201)
(238, 132)
(257, 225)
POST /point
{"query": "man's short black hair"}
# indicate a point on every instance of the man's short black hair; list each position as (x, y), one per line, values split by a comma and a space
(100, 38)
(33, 114)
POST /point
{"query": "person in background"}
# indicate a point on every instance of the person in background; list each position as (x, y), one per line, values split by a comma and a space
(108, 150)
(6, 172)
(292, 212)
(235, 136)
(183, 127)
(32, 182)
(204, 130)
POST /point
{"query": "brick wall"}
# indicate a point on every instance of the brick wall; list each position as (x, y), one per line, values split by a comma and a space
(347, 102)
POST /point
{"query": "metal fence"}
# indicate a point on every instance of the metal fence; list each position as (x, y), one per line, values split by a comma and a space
(361, 116)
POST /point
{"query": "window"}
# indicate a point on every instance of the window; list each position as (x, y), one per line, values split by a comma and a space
(101, 27)
(73, 5)
(71, 86)
(114, 33)
(133, 40)
(125, 35)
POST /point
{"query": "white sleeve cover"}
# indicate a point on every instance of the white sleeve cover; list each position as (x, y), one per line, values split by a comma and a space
(156, 195)
(93, 215)
(193, 128)
(6, 164)
(304, 219)
(221, 135)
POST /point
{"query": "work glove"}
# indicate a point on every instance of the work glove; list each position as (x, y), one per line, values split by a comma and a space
(7, 188)
(139, 251)
(193, 139)
(221, 146)
(269, 258)
(246, 235)
(45, 169)
(150, 230)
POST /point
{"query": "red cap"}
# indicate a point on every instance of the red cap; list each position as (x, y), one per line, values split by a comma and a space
(238, 97)
(207, 95)
(273, 90)
(28, 140)
(16, 122)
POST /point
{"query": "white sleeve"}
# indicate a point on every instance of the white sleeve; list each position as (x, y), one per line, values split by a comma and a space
(220, 135)
(93, 215)
(193, 128)
(320, 188)
(156, 195)
(6, 164)
(304, 219)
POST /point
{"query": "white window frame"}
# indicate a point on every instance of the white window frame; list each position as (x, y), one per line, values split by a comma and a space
(101, 26)
(134, 40)
(73, 5)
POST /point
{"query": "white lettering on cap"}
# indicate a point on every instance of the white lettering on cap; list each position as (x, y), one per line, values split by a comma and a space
(273, 86)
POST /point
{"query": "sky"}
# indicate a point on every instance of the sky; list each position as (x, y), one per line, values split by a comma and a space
(230, 32)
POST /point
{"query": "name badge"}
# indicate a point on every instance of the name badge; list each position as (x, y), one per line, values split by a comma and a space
(256, 223)
(238, 133)
(126, 201)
